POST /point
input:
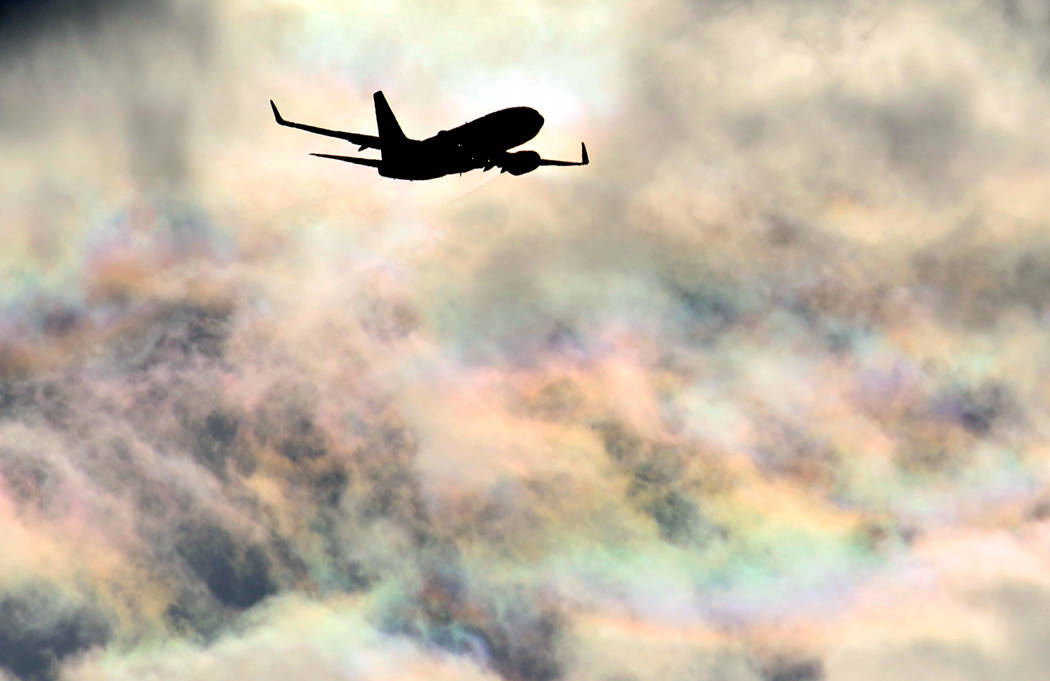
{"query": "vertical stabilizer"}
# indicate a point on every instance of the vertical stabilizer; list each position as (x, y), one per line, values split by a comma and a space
(389, 130)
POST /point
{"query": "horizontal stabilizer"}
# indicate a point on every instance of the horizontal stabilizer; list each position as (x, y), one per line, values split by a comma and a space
(374, 162)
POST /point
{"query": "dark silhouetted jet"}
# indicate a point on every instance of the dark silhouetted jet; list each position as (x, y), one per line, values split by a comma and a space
(482, 143)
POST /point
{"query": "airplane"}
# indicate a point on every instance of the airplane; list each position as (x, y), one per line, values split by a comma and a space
(481, 143)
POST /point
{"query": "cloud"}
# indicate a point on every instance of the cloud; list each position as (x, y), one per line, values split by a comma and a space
(672, 415)
(24, 22)
(41, 628)
(324, 641)
(1012, 650)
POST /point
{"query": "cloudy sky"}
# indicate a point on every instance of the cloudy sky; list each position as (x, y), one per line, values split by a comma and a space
(759, 395)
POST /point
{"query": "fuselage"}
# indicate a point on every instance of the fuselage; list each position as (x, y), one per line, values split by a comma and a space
(467, 147)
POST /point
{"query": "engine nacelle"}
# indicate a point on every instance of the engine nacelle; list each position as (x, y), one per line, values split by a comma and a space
(520, 162)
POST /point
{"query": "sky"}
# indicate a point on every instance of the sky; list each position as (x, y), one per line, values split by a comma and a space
(760, 394)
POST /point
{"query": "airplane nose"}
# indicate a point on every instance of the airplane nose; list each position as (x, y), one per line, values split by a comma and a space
(537, 120)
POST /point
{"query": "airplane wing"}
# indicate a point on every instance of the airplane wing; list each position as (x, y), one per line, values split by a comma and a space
(582, 162)
(363, 141)
(521, 162)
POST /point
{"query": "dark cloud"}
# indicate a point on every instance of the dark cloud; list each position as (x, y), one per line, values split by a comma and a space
(523, 645)
(505, 628)
(707, 309)
(214, 440)
(195, 617)
(676, 515)
(177, 334)
(331, 485)
(925, 133)
(40, 627)
(384, 470)
(975, 281)
(237, 575)
(284, 421)
(558, 400)
(30, 478)
(620, 443)
(793, 669)
(976, 408)
(658, 484)
(789, 450)
(141, 61)
(37, 398)
(22, 21)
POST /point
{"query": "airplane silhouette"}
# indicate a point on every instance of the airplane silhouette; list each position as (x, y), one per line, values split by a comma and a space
(481, 143)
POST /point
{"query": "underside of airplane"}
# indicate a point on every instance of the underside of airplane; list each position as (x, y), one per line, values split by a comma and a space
(480, 144)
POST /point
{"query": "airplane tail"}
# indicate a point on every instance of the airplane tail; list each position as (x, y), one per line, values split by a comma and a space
(389, 130)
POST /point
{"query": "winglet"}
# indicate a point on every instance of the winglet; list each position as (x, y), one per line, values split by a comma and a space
(276, 113)
(583, 151)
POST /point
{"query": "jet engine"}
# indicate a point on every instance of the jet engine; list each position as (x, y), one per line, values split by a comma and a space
(520, 162)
